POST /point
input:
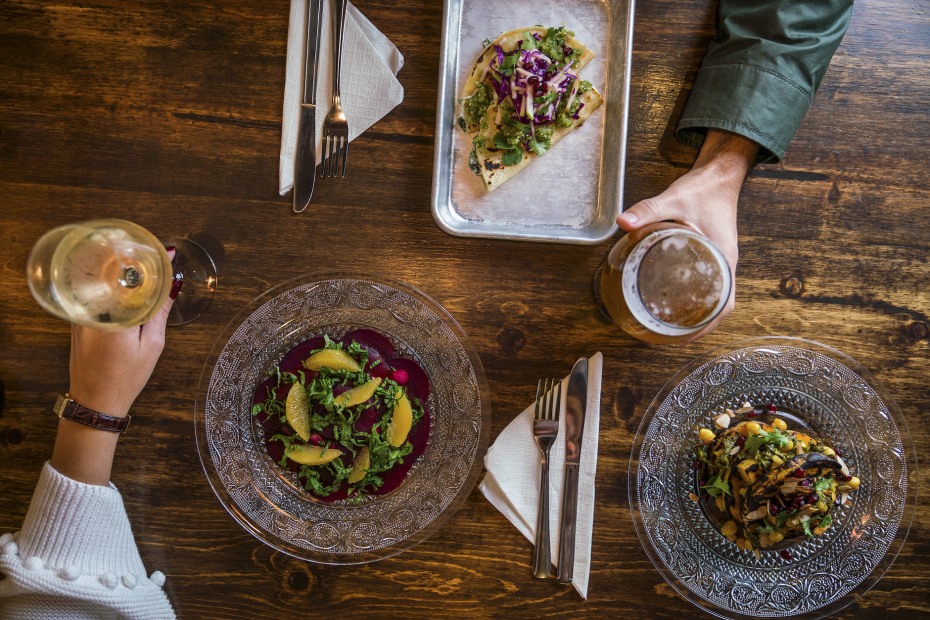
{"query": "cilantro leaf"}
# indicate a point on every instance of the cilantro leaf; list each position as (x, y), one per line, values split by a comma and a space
(716, 486)
(512, 157)
(510, 63)
(538, 146)
(822, 485)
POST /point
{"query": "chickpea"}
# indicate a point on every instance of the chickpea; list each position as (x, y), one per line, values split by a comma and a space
(828, 451)
(753, 428)
(780, 424)
(706, 435)
(729, 528)
(742, 543)
(819, 530)
(776, 537)
(853, 483)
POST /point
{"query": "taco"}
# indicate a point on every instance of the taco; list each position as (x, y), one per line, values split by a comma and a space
(523, 95)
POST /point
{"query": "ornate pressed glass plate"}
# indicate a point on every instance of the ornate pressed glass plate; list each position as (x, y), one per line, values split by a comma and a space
(817, 389)
(269, 501)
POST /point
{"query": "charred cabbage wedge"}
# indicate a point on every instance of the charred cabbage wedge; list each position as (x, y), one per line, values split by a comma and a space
(771, 483)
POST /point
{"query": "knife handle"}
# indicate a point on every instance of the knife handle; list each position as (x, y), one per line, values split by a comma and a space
(567, 526)
(542, 556)
(338, 23)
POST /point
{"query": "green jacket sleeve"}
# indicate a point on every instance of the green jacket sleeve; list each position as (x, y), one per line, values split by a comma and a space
(762, 70)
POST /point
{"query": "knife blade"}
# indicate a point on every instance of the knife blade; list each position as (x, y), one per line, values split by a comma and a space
(576, 400)
(305, 157)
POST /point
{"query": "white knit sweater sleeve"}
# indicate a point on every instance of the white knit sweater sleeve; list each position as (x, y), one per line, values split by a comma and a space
(75, 557)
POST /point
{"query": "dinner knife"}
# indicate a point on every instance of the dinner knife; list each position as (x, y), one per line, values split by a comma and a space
(576, 400)
(305, 157)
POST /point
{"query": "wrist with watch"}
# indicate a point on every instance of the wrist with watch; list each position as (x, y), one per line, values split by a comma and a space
(67, 408)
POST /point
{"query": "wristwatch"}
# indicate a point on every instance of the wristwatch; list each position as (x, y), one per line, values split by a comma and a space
(67, 409)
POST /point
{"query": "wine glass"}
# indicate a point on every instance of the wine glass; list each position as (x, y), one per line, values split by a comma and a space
(113, 274)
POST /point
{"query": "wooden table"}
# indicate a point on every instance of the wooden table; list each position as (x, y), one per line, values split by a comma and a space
(168, 113)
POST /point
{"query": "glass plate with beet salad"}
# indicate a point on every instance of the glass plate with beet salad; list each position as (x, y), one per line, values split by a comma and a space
(348, 416)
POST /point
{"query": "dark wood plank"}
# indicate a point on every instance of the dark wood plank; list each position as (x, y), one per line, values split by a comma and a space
(169, 113)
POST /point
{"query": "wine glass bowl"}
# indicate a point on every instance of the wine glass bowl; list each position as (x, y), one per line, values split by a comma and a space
(106, 273)
(113, 274)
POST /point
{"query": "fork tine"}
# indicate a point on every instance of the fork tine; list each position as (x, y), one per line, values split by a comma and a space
(323, 147)
(539, 392)
(345, 155)
(558, 403)
(331, 143)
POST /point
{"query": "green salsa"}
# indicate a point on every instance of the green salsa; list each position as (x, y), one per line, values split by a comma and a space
(476, 106)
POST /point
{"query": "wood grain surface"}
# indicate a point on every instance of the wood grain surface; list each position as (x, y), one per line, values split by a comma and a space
(169, 114)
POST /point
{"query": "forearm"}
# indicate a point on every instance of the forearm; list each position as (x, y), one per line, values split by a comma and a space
(762, 70)
(727, 155)
(83, 453)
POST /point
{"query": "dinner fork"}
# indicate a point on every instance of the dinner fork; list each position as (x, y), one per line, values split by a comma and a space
(545, 430)
(335, 126)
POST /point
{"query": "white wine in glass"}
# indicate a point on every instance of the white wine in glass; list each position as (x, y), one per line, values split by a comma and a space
(107, 273)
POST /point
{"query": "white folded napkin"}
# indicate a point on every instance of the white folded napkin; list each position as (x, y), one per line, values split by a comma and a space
(511, 483)
(369, 85)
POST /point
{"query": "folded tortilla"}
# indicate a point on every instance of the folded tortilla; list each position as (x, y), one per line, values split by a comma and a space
(493, 171)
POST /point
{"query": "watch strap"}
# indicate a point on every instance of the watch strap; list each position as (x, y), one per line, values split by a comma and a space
(67, 408)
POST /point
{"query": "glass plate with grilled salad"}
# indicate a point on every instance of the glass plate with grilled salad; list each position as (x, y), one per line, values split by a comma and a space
(771, 483)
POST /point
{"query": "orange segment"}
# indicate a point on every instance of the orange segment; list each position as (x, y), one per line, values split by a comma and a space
(313, 455)
(360, 465)
(401, 421)
(297, 410)
(358, 394)
(333, 359)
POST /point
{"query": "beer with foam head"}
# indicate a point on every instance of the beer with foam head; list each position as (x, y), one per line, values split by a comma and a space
(663, 283)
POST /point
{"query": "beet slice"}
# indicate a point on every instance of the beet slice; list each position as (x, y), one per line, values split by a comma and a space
(366, 420)
(370, 339)
(417, 384)
(293, 358)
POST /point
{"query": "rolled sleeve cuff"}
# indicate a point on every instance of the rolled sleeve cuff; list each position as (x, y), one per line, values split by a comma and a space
(751, 101)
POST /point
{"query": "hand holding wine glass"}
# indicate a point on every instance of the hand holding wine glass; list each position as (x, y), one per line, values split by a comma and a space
(112, 274)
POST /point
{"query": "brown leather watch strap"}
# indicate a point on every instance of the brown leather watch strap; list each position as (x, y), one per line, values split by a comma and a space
(67, 409)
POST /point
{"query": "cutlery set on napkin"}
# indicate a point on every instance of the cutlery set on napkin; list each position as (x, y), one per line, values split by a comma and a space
(511, 483)
(368, 66)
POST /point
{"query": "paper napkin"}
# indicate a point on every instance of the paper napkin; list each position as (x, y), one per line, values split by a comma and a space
(511, 483)
(369, 85)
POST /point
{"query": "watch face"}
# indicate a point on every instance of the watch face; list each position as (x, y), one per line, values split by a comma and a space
(60, 405)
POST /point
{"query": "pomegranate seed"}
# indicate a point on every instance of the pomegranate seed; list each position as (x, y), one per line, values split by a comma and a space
(316, 439)
(400, 376)
(741, 441)
(772, 408)
(798, 473)
(845, 478)
(805, 483)
(786, 554)
(753, 414)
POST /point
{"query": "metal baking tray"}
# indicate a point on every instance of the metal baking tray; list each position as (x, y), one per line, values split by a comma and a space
(574, 193)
